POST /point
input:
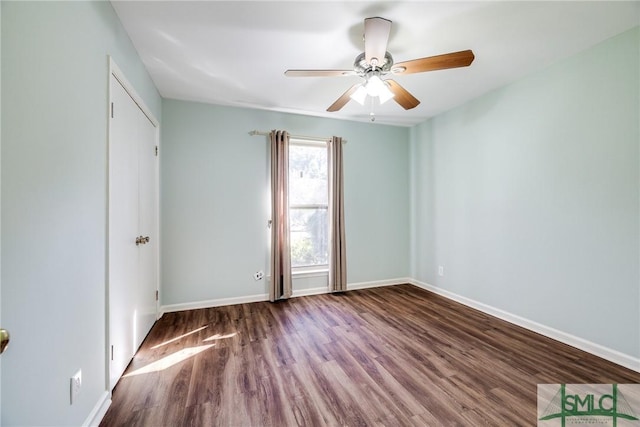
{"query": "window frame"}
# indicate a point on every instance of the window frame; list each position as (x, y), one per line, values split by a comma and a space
(317, 269)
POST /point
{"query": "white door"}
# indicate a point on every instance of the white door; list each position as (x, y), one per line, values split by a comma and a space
(147, 224)
(132, 215)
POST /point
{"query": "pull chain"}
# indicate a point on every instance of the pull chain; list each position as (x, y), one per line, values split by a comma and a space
(372, 114)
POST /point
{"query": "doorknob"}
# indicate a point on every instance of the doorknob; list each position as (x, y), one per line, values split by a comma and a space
(4, 340)
(142, 240)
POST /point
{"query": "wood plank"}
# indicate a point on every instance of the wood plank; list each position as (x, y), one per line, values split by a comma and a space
(396, 355)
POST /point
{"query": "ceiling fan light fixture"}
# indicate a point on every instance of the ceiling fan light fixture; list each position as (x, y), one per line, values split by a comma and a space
(377, 87)
(359, 95)
(385, 95)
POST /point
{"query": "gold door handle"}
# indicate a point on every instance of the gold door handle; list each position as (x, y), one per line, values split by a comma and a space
(4, 340)
(145, 239)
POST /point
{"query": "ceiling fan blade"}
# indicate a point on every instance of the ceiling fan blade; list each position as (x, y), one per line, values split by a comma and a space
(402, 96)
(376, 36)
(463, 58)
(344, 98)
(319, 73)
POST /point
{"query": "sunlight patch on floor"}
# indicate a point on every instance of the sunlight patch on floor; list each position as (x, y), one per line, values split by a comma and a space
(220, 337)
(177, 338)
(169, 361)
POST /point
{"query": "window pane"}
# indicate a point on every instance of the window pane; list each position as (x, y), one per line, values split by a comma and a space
(308, 175)
(309, 236)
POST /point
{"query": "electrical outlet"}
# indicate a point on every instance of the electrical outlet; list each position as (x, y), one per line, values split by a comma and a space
(440, 270)
(258, 275)
(75, 384)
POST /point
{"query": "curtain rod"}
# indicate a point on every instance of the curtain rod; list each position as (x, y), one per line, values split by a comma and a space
(310, 138)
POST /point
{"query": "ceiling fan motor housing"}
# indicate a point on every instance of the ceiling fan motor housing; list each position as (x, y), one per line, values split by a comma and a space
(363, 68)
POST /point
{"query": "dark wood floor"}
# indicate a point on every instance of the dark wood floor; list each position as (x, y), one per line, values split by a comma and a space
(394, 356)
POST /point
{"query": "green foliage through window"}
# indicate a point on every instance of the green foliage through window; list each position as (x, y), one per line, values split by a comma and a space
(308, 199)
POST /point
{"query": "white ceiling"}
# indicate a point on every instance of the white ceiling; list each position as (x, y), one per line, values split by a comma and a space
(235, 52)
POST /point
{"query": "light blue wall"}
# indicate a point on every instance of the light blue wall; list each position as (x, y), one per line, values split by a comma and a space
(529, 197)
(0, 203)
(215, 198)
(54, 201)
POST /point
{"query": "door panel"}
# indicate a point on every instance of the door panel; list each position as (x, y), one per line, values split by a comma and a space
(132, 213)
(123, 228)
(147, 202)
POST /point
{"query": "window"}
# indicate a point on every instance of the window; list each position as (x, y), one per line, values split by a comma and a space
(308, 204)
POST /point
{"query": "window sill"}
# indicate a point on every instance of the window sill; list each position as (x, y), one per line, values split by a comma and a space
(310, 272)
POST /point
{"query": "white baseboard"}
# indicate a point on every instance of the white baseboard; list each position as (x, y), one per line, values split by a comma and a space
(265, 297)
(213, 303)
(97, 414)
(310, 291)
(352, 287)
(590, 347)
(378, 283)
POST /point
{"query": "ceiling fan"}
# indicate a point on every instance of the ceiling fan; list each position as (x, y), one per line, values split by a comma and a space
(375, 63)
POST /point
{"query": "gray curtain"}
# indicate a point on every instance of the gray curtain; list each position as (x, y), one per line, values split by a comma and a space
(337, 244)
(280, 287)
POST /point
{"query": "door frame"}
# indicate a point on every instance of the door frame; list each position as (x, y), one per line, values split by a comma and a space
(116, 72)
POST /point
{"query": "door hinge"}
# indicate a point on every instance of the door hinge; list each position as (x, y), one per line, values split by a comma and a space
(111, 352)
(156, 295)
(156, 150)
(112, 110)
